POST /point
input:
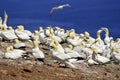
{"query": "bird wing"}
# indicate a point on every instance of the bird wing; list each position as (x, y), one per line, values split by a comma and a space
(66, 5)
(52, 10)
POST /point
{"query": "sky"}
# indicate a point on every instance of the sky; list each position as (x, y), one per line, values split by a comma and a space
(84, 15)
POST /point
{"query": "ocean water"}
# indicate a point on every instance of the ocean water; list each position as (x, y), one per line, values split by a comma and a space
(84, 15)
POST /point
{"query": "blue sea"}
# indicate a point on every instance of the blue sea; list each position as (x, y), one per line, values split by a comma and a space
(84, 15)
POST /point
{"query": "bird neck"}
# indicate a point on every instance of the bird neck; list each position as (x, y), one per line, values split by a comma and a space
(35, 43)
(106, 33)
(5, 20)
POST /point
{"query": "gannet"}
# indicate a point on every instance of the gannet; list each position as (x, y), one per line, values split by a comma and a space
(59, 8)
(99, 43)
(98, 58)
(73, 54)
(35, 35)
(87, 35)
(91, 61)
(117, 43)
(58, 53)
(21, 35)
(8, 34)
(72, 39)
(37, 53)
(5, 19)
(115, 54)
(25, 31)
(14, 53)
(19, 44)
(47, 31)
(107, 39)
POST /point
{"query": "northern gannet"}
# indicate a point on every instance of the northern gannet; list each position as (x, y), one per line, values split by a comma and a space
(8, 34)
(59, 8)
(91, 61)
(14, 53)
(5, 19)
(19, 44)
(73, 54)
(21, 35)
(35, 35)
(37, 53)
(98, 58)
(87, 35)
(115, 54)
(25, 31)
(107, 39)
(58, 53)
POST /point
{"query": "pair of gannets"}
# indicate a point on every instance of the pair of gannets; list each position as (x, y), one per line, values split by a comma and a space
(37, 53)
(14, 53)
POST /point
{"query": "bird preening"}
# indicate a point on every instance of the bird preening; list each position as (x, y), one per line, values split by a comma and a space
(60, 7)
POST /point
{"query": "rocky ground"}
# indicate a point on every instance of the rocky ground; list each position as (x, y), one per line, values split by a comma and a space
(29, 69)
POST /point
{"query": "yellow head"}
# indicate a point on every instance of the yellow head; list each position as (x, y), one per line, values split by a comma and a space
(36, 32)
(54, 46)
(118, 40)
(94, 49)
(10, 28)
(11, 48)
(86, 34)
(82, 36)
(70, 46)
(17, 41)
(4, 28)
(67, 32)
(56, 43)
(8, 49)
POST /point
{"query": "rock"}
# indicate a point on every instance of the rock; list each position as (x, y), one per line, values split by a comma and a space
(50, 63)
(28, 68)
(5, 72)
(62, 65)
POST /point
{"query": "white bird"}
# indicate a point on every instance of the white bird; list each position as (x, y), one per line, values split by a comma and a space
(8, 34)
(115, 54)
(107, 39)
(91, 61)
(58, 52)
(98, 58)
(5, 19)
(14, 53)
(73, 54)
(59, 8)
(37, 53)
(25, 31)
(21, 35)
(19, 44)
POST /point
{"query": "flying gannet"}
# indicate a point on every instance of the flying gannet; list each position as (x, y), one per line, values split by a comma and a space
(59, 8)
